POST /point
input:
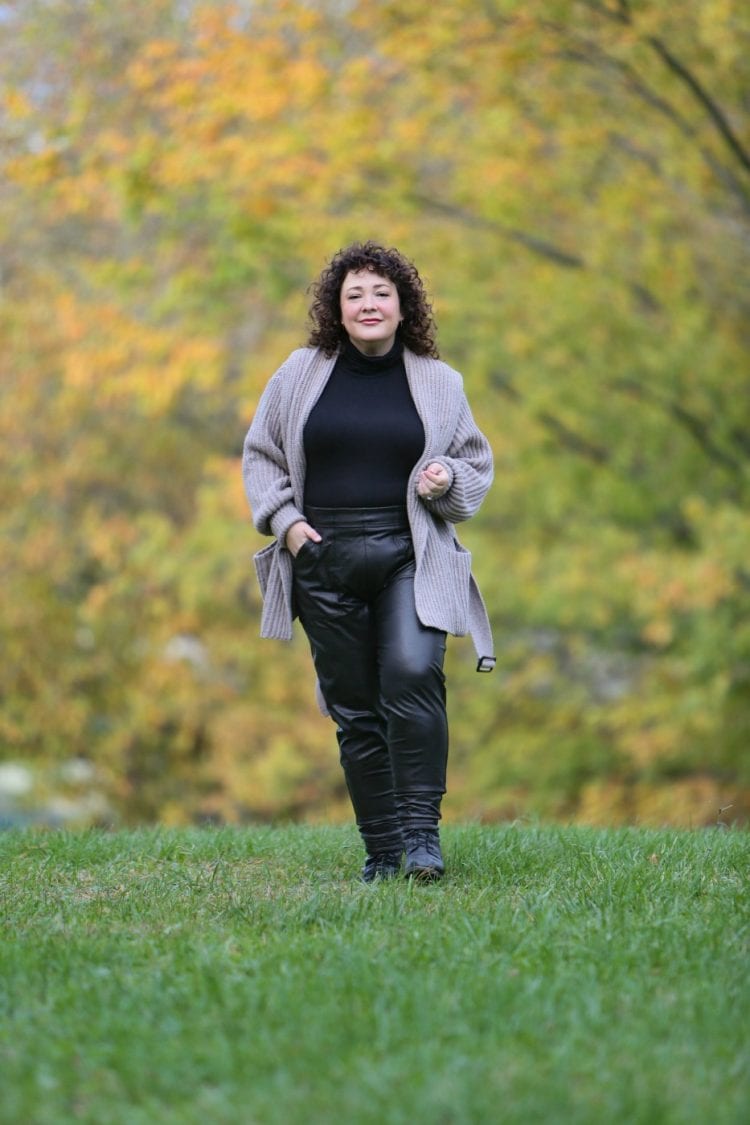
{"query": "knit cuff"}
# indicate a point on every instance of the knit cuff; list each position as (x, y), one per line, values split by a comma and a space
(283, 519)
(444, 464)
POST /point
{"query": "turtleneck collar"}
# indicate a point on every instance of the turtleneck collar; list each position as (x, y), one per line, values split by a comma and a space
(371, 364)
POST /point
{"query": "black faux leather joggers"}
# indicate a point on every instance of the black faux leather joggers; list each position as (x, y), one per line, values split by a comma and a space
(380, 670)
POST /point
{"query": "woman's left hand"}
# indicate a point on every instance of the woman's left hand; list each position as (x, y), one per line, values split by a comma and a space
(433, 482)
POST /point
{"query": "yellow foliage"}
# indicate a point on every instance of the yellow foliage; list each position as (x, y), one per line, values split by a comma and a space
(694, 802)
(119, 359)
(647, 745)
(658, 633)
(16, 104)
(689, 802)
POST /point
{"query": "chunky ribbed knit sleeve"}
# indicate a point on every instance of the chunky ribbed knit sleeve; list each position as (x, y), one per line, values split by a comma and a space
(470, 466)
(453, 438)
(265, 469)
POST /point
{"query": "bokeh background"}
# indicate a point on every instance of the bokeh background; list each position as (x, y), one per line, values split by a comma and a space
(573, 181)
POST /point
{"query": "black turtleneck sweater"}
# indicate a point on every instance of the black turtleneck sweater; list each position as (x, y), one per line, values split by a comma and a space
(363, 436)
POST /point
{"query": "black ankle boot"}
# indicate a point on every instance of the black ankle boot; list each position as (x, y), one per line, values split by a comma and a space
(424, 860)
(381, 865)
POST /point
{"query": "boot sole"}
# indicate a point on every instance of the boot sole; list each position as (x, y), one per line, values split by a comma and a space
(425, 874)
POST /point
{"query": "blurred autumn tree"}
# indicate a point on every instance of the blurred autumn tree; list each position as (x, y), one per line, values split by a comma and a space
(573, 180)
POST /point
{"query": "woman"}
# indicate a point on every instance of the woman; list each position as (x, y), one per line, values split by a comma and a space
(362, 455)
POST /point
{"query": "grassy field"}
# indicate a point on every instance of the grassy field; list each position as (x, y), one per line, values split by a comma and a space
(556, 975)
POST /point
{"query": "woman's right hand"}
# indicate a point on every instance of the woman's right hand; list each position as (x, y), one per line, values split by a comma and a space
(297, 534)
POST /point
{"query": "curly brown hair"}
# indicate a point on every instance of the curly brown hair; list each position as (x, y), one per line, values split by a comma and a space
(417, 329)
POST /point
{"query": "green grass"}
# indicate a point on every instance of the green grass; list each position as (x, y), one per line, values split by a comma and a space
(556, 975)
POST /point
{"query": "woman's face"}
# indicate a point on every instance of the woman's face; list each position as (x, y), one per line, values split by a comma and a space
(370, 311)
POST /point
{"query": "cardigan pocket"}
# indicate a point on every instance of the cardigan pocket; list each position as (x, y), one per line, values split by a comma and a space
(446, 572)
(264, 560)
(274, 571)
(462, 572)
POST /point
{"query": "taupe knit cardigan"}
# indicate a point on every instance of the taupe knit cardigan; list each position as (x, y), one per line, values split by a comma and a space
(273, 469)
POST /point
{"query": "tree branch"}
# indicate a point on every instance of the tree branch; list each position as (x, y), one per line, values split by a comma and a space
(572, 441)
(701, 95)
(697, 427)
(568, 438)
(589, 53)
(686, 76)
(529, 241)
(502, 383)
